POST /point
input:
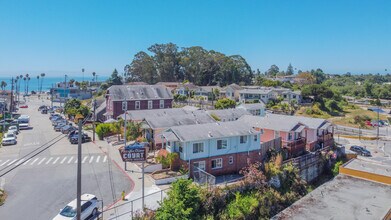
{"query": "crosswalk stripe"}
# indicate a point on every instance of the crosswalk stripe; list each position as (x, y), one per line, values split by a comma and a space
(47, 162)
(34, 161)
(97, 159)
(91, 159)
(26, 162)
(4, 162)
(41, 160)
(63, 160)
(104, 159)
(55, 161)
(70, 159)
(76, 160)
(12, 162)
(20, 161)
(84, 160)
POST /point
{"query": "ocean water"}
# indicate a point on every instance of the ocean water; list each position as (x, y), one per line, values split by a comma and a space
(47, 82)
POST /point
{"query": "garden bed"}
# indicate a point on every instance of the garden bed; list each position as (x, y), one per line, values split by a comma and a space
(166, 176)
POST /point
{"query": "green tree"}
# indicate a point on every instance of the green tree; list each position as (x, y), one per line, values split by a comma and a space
(142, 69)
(318, 75)
(225, 103)
(102, 130)
(182, 202)
(368, 86)
(273, 70)
(115, 78)
(289, 70)
(3, 85)
(104, 86)
(166, 59)
(242, 206)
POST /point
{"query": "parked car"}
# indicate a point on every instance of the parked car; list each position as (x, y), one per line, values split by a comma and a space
(13, 129)
(9, 139)
(23, 106)
(360, 150)
(66, 129)
(59, 121)
(84, 138)
(10, 134)
(59, 126)
(44, 111)
(54, 116)
(42, 107)
(89, 207)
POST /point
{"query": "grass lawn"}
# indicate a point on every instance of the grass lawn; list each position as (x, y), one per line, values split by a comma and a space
(347, 119)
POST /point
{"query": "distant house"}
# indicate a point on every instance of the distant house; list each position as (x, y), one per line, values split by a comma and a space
(185, 89)
(138, 97)
(224, 115)
(256, 95)
(231, 91)
(62, 91)
(170, 85)
(206, 92)
(217, 148)
(297, 133)
(256, 109)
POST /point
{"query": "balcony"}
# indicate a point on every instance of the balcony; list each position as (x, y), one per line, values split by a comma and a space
(326, 139)
(295, 147)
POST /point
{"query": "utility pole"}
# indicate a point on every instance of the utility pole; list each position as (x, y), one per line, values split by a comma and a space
(51, 97)
(12, 96)
(125, 109)
(142, 191)
(94, 119)
(78, 201)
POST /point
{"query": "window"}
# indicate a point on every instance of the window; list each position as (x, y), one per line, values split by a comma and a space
(217, 163)
(161, 104)
(200, 165)
(180, 149)
(231, 160)
(243, 139)
(289, 136)
(149, 104)
(255, 138)
(294, 96)
(222, 144)
(137, 105)
(198, 148)
(85, 206)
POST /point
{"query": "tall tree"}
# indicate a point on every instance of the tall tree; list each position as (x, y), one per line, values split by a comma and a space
(167, 59)
(289, 70)
(273, 70)
(115, 79)
(42, 76)
(143, 69)
(3, 85)
(38, 84)
(93, 76)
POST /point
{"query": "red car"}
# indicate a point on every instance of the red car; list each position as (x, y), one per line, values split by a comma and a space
(24, 106)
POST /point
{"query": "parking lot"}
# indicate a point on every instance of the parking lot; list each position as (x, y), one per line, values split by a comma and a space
(46, 182)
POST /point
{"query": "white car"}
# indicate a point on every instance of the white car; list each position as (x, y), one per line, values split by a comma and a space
(89, 207)
(10, 135)
(9, 139)
(13, 129)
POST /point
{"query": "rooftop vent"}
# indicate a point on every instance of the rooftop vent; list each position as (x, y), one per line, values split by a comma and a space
(210, 134)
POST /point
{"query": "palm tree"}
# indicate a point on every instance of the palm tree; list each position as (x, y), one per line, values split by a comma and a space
(71, 82)
(28, 81)
(93, 76)
(42, 76)
(24, 79)
(3, 84)
(38, 92)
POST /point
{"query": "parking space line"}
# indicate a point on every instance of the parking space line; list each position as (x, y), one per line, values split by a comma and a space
(55, 161)
(85, 158)
(97, 159)
(12, 162)
(26, 162)
(47, 162)
(105, 158)
(70, 159)
(91, 159)
(63, 160)
(41, 161)
(4, 162)
(19, 162)
(34, 161)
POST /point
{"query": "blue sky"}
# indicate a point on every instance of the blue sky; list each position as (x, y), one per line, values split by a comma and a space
(63, 36)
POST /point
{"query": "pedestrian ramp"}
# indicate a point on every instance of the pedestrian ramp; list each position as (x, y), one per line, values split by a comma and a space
(53, 160)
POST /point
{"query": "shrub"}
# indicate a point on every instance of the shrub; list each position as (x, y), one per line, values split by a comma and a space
(241, 207)
(335, 169)
(102, 130)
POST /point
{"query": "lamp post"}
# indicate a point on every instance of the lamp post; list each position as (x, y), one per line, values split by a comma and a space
(125, 109)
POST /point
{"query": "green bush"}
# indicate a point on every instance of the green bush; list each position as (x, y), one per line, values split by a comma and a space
(102, 130)
(241, 207)
(335, 169)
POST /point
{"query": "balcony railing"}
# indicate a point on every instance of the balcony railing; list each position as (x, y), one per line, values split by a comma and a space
(325, 137)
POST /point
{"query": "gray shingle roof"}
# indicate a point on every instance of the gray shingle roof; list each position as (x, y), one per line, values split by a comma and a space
(254, 106)
(211, 130)
(228, 113)
(139, 92)
(255, 91)
(189, 118)
(140, 115)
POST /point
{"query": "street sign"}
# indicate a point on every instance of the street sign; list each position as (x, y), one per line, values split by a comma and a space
(132, 154)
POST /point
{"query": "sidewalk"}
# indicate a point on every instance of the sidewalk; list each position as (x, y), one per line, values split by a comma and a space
(123, 209)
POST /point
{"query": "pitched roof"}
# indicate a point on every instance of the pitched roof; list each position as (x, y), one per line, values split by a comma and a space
(139, 92)
(225, 114)
(200, 132)
(234, 86)
(140, 115)
(255, 91)
(195, 117)
(253, 106)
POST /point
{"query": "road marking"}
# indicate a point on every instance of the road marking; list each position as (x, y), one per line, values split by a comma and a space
(97, 159)
(26, 161)
(105, 158)
(55, 161)
(84, 160)
(41, 161)
(19, 162)
(76, 160)
(63, 160)
(47, 162)
(70, 159)
(4, 162)
(91, 159)
(34, 161)
(12, 162)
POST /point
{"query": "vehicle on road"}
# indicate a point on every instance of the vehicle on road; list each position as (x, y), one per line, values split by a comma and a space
(42, 107)
(67, 129)
(59, 126)
(9, 139)
(84, 138)
(13, 129)
(360, 150)
(24, 126)
(23, 106)
(89, 207)
(44, 111)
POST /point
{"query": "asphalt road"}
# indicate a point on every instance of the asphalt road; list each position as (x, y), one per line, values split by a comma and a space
(41, 186)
